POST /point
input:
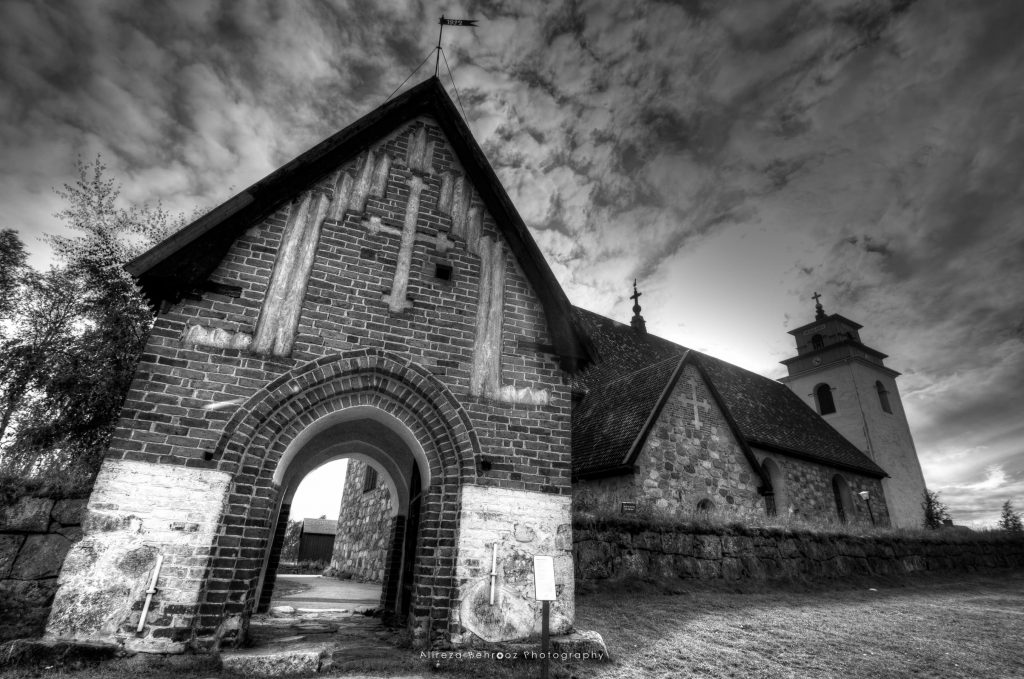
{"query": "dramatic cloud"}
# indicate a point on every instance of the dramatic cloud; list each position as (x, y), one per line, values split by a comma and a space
(733, 156)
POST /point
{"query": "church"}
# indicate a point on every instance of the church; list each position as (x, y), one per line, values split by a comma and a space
(380, 299)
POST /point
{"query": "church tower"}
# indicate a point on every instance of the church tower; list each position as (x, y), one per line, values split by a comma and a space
(848, 384)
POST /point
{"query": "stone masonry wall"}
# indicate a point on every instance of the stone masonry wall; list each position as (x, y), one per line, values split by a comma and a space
(199, 354)
(614, 551)
(692, 455)
(35, 535)
(806, 492)
(520, 525)
(364, 527)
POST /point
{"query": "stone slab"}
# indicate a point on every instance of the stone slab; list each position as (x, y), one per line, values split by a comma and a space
(41, 557)
(30, 514)
(9, 546)
(261, 663)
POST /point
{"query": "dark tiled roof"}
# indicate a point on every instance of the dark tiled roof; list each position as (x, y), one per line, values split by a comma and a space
(320, 526)
(624, 389)
(771, 416)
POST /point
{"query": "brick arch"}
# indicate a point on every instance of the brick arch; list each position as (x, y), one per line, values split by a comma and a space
(257, 435)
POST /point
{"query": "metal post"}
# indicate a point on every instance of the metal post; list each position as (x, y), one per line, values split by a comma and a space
(437, 57)
(544, 638)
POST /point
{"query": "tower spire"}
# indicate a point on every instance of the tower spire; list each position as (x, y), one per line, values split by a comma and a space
(819, 311)
(637, 322)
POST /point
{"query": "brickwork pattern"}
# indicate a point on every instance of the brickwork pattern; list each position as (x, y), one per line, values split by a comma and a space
(364, 527)
(228, 409)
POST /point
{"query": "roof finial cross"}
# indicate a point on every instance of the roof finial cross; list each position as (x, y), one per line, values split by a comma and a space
(637, 322)
(819, 311)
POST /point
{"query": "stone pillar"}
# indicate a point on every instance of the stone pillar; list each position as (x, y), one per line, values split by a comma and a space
(139, 510)
(522, 524)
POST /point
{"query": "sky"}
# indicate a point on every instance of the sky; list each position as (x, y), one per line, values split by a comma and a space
(734, 157)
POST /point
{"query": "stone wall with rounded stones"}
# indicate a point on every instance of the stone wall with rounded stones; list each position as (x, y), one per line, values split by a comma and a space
(166, 417)
(692, 455)
(616, 550)
(35, 535)
(364, 527)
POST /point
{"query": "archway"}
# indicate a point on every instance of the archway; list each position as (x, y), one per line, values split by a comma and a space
(342, 405)
(385, 446)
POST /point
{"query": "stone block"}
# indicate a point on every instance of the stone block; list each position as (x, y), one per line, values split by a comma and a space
(69, 512)
(732, 568)
(581, 645)
(9, 546)
(30, 514)
(26, 605)
(279, 664)
(707, 547)
(677, 543)
(41, 557)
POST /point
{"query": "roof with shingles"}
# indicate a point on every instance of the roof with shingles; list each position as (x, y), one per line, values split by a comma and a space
(626, 388)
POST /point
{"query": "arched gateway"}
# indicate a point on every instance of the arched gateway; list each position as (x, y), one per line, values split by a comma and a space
(376, 298)
(368, 404)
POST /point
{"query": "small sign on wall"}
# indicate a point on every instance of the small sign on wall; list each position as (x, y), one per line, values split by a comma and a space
(544, 577)
(629, 508)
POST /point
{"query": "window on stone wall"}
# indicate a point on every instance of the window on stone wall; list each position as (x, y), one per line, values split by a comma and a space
(817, 342)
(705, 508)
(370, 479)
(823, 395)
(883, 397)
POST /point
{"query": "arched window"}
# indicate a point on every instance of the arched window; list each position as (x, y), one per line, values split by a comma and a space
(823, 395)
(705, 508)
(817, 342)
(779, 499)
(883, 397)
(844, 501)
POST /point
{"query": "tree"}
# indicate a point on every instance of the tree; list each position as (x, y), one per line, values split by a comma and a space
(12, 272)
(1010, 520)
(77, 333)
(935, 511)
(290, 548)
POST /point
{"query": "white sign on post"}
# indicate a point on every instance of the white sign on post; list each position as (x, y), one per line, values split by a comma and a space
(544, 577)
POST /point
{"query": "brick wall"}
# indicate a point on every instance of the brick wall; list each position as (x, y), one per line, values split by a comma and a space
(364, 527)
(196, 357)
(35, 535)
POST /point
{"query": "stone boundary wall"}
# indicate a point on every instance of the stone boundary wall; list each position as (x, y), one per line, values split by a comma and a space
(35, 536)
(616, 551)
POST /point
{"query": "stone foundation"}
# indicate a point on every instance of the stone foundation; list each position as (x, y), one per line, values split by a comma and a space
(611, 552)
(139, 510)
(35, 535)
(522, 525)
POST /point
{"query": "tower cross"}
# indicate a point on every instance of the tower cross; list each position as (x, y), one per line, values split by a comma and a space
(816, 296)
(636, 298)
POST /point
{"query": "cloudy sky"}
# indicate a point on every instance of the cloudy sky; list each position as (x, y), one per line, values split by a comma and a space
(733, 156)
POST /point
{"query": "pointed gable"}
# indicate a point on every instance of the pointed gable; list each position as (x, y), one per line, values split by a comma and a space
(182, 264)
(625, 390)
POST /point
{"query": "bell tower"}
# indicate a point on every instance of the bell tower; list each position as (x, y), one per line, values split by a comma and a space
(848, 384)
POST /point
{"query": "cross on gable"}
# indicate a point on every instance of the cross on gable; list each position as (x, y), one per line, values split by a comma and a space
(696, 403)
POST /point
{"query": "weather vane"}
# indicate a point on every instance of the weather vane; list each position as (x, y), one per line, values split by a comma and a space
(448, 22)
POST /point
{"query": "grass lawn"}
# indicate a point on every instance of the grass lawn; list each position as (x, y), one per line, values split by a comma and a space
(969, 626)
(951, 626)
